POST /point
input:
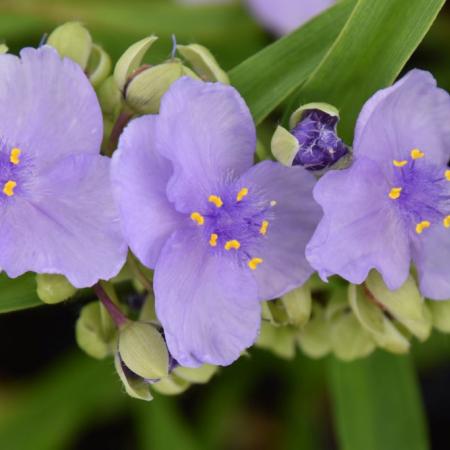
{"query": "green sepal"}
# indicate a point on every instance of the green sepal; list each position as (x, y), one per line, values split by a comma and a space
(143, 350)
(134, 386)
(171, 385)
(284, 146)
(53, 288)
(297, 115)
(199, 375)
(279, 340)
(99, 65)
(131, 60)
(203, 62)
(95, 331)
(440, 314)
(297, 304)
(110, 98)
(72, 40)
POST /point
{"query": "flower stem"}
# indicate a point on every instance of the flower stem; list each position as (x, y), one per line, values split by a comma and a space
(116, 314)
(117, 129)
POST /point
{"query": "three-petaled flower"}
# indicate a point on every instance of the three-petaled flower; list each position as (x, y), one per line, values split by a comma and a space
(393, 205)
(221, 235)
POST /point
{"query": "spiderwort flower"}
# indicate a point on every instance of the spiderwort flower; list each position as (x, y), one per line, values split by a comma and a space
(393, 204)
(57, 213)
(221, 235)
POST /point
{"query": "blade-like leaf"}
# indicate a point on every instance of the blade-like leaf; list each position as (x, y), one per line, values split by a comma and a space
(19, 293)
(377, 404)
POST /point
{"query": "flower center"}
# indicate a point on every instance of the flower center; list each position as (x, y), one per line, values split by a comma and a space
(10, 160)
(235, 223)
(422, 191)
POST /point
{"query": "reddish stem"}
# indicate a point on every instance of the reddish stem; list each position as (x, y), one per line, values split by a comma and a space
(116, 314)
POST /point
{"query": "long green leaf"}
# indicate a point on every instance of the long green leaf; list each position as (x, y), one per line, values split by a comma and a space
(370, 52)
(377, 404)
(269, 77)
(19, 293)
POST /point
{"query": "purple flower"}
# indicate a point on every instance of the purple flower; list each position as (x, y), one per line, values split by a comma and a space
(393, 205)
(221, 235)
(319, 144)
(57, 213)
(284, 16)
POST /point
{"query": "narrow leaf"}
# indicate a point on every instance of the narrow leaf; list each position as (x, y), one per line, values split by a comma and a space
(18, 293)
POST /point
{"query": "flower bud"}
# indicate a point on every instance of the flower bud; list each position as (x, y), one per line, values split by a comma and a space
(73, 41)
(3, 49)
(313, 141)
(440, 313)
(110, 98)
(278, 339)
(131, 60)
(95, 331)
(144, 91)
(171, 385)
(98, 66)
(297, 304)
(203, 63)
(405, 304)
(52, 288)
(199, 375)
(143, 351)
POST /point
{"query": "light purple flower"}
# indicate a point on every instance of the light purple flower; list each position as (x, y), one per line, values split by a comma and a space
(221, 235)
(393, 205)
(57, 213)
(284, 16)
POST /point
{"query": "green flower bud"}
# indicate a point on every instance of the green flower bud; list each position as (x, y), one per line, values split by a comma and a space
(95, 331)
(99, 65)
(314, 339)
(199, 375)
(3, 49)
(131, 60)
(372, 318)
(143, 350)
(284, 146)
(279, 340)
(405, 304)
(143, 93)
(440, 314)
(72, 40)
(171, 385)
(148, 313)
(297, 304)
(52, 288)
(203, 62)
(110, 98)
(134, 386)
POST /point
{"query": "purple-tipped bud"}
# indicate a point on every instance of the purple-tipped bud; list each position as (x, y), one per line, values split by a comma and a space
(319, 145)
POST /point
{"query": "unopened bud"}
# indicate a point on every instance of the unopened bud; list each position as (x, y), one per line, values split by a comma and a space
(98, 66)
(440, 313)
(3, 49)
(52, 288)
(280, 340)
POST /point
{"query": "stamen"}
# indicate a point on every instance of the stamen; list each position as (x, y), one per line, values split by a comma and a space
(15, 155)
(213, 240)
(216, 200)
(395, 192)
(273, 203)
(446, 222)
(264, 227)
(400, 163)
(232, 244)
(420, 227)
(241, 194)
(197, 217)
(447, 175)
(254, 262)
(8, 188)
(417, 154)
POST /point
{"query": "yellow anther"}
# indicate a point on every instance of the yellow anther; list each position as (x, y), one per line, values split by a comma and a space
(264, 227)
(216, 200)
(400, 163)
(417, 154)
(447, 175)
(197, 217)
(213, 240)
(446, 222)
(241, 194)
(273, 203)
(395, 193)
(8, 188)
(232, 244)
(420, 227)
(14, 157)
(254, 262)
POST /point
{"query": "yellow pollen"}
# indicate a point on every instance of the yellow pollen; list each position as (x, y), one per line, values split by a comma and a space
(273, 203)
(395, 193)
(8, 188)
(213, 240)
(254, 262)
(446, 222)
(420, 227)
(399, 163)
(241, 194)
(216, 200)
(15, 155)
(447, 175)
(197, 217)
(232, 244)
(264, 227)
(417, 154)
